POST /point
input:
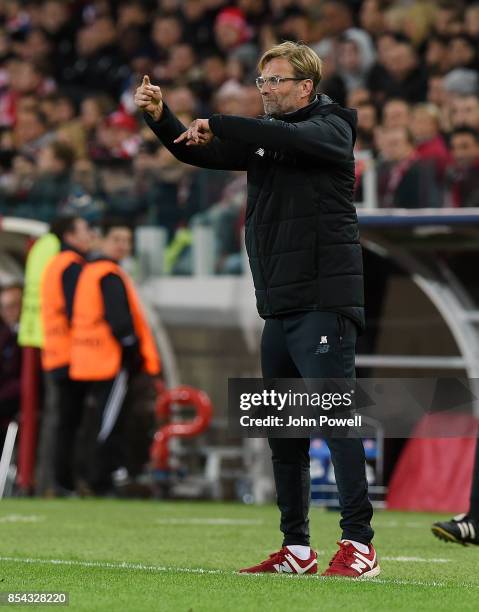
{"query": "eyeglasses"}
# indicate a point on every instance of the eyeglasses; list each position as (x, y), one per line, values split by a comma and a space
(274, 81)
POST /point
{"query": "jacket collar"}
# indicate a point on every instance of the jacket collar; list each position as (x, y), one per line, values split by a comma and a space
(305, 111)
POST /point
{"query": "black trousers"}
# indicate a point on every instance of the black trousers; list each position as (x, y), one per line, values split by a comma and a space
(289, 350)
(106, 443)
(70, 399)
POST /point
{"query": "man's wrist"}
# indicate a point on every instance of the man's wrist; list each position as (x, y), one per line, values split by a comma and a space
(158, 112)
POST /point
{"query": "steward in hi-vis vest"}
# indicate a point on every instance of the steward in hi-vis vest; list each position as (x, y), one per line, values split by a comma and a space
(57, 290)
(56, 298)
(30, 332)
(102, 333)
(112, 349)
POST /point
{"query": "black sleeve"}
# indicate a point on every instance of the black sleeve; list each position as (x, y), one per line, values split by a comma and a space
(117, 309)
(327, 137)
(219, 154)
(69, 282)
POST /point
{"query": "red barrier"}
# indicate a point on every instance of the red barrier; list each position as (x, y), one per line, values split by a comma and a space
(28, 417)
(185, 396)
(435, 474)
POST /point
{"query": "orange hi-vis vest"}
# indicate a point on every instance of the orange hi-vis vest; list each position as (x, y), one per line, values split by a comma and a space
(56, 327)
(96, 353)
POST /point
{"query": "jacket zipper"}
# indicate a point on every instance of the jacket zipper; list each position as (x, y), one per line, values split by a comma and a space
(260, 265)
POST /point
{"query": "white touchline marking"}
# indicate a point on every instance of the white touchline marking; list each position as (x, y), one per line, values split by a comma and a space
(198, 570)
(109, 565)
(208, 521)
(396, 524)
(414, 559)
(21, 518)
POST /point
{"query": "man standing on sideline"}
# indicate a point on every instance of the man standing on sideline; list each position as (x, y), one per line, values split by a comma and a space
(303, 246)
(57, 290)
(111, 345)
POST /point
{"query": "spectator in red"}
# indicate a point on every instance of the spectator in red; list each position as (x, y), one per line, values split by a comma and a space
(233, 37)
(10, 356)
(118, 137)
(404, 180)
(23, 79)
(430, 145)
(462, 178)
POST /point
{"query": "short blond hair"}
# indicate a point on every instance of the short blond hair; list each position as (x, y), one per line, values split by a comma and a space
(305, 62)
(431, 109)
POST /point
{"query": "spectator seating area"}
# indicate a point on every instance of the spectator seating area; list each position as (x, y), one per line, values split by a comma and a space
(72, 141)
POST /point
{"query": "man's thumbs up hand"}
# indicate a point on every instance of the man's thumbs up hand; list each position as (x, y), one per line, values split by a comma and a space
(149, 98)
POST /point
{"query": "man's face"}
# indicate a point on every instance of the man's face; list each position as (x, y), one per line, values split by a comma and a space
(370, 16)
(423, 125)
(465, 150)
(81, 237)
(396, 114)
(47, 163)
(465, 111)
(117, 243)
(401, 60)
(460, 52)
(367, 117)
(28, 128)
(349, 57)
(435, 92)
(395, 146)
(290, 95)
(166, 32)
(335, 18)
(11, 305)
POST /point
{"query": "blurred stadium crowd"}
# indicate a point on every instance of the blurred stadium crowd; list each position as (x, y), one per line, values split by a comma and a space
(71, 140)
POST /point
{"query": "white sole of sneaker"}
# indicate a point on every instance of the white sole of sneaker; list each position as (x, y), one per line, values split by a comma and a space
(371, 574)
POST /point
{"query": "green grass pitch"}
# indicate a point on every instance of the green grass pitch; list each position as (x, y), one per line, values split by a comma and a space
(182, 556)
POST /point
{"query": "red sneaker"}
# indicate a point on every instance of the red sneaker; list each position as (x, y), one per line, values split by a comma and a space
(284, 562)
(352, 563)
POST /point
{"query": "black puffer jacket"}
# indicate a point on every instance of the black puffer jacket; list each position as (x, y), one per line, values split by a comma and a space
(301, 226)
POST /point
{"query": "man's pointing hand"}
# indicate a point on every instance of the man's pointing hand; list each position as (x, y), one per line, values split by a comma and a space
(198, 133)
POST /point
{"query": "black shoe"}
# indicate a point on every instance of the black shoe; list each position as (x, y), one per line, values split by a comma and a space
(461, 529)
